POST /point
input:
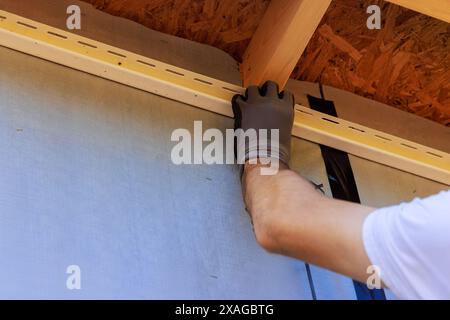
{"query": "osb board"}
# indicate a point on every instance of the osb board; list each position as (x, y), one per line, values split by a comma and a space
(406, 64)
(226, 24)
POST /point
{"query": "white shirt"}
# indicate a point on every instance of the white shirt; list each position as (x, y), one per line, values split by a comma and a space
(410, 243)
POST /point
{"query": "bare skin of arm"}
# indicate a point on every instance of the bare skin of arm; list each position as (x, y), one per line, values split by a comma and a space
(291, 218)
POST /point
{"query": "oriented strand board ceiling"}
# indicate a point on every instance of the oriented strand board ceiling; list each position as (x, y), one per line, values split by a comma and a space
(406, 64)
(226, 24)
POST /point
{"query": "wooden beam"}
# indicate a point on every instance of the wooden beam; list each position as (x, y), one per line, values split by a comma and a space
(191, 88)
(439, 9)
(281, 38)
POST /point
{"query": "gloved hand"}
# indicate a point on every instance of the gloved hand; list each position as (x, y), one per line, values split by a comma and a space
(265, 108)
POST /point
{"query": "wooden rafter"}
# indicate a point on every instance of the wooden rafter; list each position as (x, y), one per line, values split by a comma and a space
(439, 9)
(281, 38)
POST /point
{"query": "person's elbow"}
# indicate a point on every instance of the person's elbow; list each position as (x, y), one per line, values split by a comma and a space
(268, 229)
(270, 211)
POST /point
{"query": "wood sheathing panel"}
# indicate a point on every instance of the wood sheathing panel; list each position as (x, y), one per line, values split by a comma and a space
(226, 24)
(406, 64)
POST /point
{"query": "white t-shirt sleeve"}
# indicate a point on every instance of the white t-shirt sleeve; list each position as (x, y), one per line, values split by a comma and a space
(410, 244)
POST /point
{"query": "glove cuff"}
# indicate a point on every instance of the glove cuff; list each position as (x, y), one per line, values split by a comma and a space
(253, 149)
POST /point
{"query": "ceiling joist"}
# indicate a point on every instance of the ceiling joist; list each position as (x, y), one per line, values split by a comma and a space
(280, 39)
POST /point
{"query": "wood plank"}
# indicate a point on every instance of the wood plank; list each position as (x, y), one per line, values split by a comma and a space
(210, 94)
(381, 117)
(281, 38)
(439, 9)
(379, 185)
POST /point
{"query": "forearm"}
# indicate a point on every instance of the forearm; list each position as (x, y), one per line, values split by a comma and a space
(290, 217)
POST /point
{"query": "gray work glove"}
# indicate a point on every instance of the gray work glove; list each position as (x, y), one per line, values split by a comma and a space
(264, 108)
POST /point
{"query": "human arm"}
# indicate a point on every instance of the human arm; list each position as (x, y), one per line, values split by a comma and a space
(290, 217)
(408, 243)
